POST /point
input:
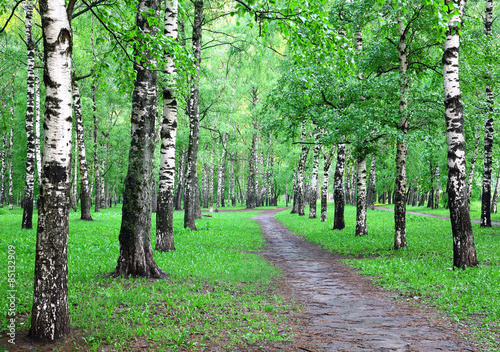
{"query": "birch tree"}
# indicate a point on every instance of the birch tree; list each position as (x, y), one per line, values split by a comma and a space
(464, 251)
(50, 311)
(165, 213)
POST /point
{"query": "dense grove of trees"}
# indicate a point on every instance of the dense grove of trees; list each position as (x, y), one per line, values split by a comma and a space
(215, 103)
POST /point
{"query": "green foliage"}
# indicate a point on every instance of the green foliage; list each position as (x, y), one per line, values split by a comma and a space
(423, 272)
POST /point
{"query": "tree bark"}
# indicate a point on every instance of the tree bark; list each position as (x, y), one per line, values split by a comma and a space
(488, 136)
(136, 253)
(38, 154)
(165, 213)
(80, 134)
(324, 187)
(437, 176)
(220, 174)
(210, 184)
(97, 175)
(11, 164)
(180, 182)
(27, 222)
(338, 192)
(464, 251)
(300, 173)
(314, 179)
(372, 191)
(191, 194)
(50, 312)
(361, 228)
(494, 201)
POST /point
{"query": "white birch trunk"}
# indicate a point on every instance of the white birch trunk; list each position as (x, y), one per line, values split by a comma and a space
(38, 153)
(324, 187)
(314, 179)
(300, 172)
(464, 252)
(11, 164)
(361, 228)
(50, 313)
(27, 222)
(494, 201)
(165, 213)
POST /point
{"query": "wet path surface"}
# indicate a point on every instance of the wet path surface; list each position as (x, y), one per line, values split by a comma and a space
(344, 311)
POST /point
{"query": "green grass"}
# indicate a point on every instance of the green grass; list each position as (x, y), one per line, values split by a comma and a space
(475, 211)
(216, 291)
(423, 272)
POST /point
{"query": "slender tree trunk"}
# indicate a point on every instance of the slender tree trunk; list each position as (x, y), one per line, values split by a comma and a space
(338, 192)
(314, 180)
(437, 176)
(11, 163)
(136, 253)
(220, 174)
(488, 137)
(180, 182)
(295, 207)
(84, 178)
(210, 187)
(372, 191)
(3, 158)
(50, 311)
(251, 188)
(192, 194)
(494, 201)
(97, 175)
(361, 228)
(74, 196)
(324, 188)
(464, 251)
(27, 222)
(165, 214)
(300, 173)
(470, 176)
(38, 154)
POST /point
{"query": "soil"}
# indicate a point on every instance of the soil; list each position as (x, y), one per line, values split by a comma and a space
(341, 310)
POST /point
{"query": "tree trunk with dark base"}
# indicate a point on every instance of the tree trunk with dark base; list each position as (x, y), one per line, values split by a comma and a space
(464, 251)
(324, 187)
(338, 192)
(165, 213)
(314, 179)
(136, 253)
(300, 174)
(488, 137)
(191, 193)
(50, 311)
(27, 222)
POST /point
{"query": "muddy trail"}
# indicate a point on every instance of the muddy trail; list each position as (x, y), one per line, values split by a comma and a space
(344, 311)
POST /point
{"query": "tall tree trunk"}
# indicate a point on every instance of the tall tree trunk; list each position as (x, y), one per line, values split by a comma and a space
(494, 201)
(372, 191)
(3, 159)
(97, 175)
(402, 147)
(314, 179)
(165, 213)
(11, 164)
(324, 187)
(300, 173)
(84, 178)
(470, 176)
(180, 182)
(74, 191)
(38, 154)
(295, 204)
(192, 194)
(136, 253)
(50, 311)
(27, 222)
(464, 251)
(220, 174)
(361, 228)
(437, 176)
(338, 192)
(210, 184)
(488, 137)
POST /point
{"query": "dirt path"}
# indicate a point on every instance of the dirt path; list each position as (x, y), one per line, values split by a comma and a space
(344, 311)
(434, 216)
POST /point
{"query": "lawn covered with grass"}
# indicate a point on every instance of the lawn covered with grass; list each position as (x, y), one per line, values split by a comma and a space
(216, 291)
(423, 272)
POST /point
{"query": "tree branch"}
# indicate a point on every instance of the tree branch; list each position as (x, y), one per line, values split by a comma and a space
(11, 14)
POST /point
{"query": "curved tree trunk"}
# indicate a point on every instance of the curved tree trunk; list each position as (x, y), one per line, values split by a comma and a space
(136, 253)
(50, 311)
(361, 228)
(338, 192)
(165, 213)
(30, 109)
(84, 178)
(464, 251)
(192, 197)
(488, 137)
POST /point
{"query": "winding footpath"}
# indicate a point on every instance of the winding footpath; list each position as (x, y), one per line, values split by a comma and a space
(344, 311)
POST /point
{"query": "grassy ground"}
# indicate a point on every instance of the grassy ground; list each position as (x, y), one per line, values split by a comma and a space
(423, 272)
(475, 211)
(216, 292)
